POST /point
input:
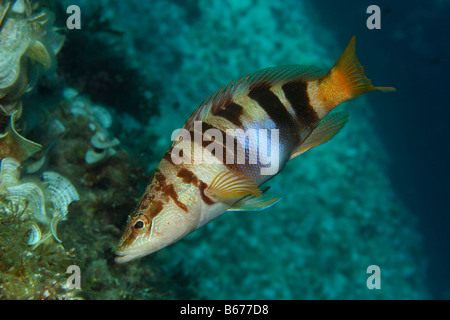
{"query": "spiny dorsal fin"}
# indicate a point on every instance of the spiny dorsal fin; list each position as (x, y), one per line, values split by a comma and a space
(271, 75)
(232, 184)
(214, 102)
(324, 131)
(254, 203)
(286, 73)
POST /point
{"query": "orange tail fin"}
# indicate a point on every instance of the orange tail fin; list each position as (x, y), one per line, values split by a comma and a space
(346, 79)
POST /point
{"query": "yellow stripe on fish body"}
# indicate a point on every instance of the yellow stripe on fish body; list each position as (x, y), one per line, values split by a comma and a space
(295, 100)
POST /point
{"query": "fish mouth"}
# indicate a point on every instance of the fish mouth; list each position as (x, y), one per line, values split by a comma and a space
(123, 256)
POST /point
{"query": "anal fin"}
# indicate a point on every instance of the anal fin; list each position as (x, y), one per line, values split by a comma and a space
(324, 131)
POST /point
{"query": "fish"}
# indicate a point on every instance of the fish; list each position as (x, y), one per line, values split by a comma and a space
(244, 134)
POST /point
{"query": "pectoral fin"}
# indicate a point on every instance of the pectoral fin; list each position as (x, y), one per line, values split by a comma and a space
(232, 184)
(326, 130)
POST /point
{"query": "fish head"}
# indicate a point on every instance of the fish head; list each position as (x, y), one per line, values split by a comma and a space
(152, 229)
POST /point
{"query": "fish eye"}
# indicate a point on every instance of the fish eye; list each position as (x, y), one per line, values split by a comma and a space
(140, 223)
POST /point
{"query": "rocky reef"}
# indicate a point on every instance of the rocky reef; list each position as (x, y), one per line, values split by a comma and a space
(49, 221)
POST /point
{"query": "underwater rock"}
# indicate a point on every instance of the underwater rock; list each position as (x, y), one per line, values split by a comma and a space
(28, 43)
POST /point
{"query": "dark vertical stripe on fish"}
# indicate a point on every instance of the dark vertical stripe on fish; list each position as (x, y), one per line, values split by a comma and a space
(189, 177)
(297, 95)
(160, 185)
(168, 155)
(156, 209)
(159, 180)
(232, 112)
(170, 191)
(277, 111)
(206, 126)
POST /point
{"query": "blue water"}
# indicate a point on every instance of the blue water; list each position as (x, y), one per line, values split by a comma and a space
(413, 123)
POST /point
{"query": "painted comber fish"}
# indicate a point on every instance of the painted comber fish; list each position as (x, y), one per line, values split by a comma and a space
(243, 135)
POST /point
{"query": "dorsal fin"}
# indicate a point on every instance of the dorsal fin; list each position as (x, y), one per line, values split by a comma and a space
(272, 75)
(285, 73)
(324, 131)
(214, 102)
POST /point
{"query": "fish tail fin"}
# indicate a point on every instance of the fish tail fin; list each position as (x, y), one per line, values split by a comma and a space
(346, 79)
